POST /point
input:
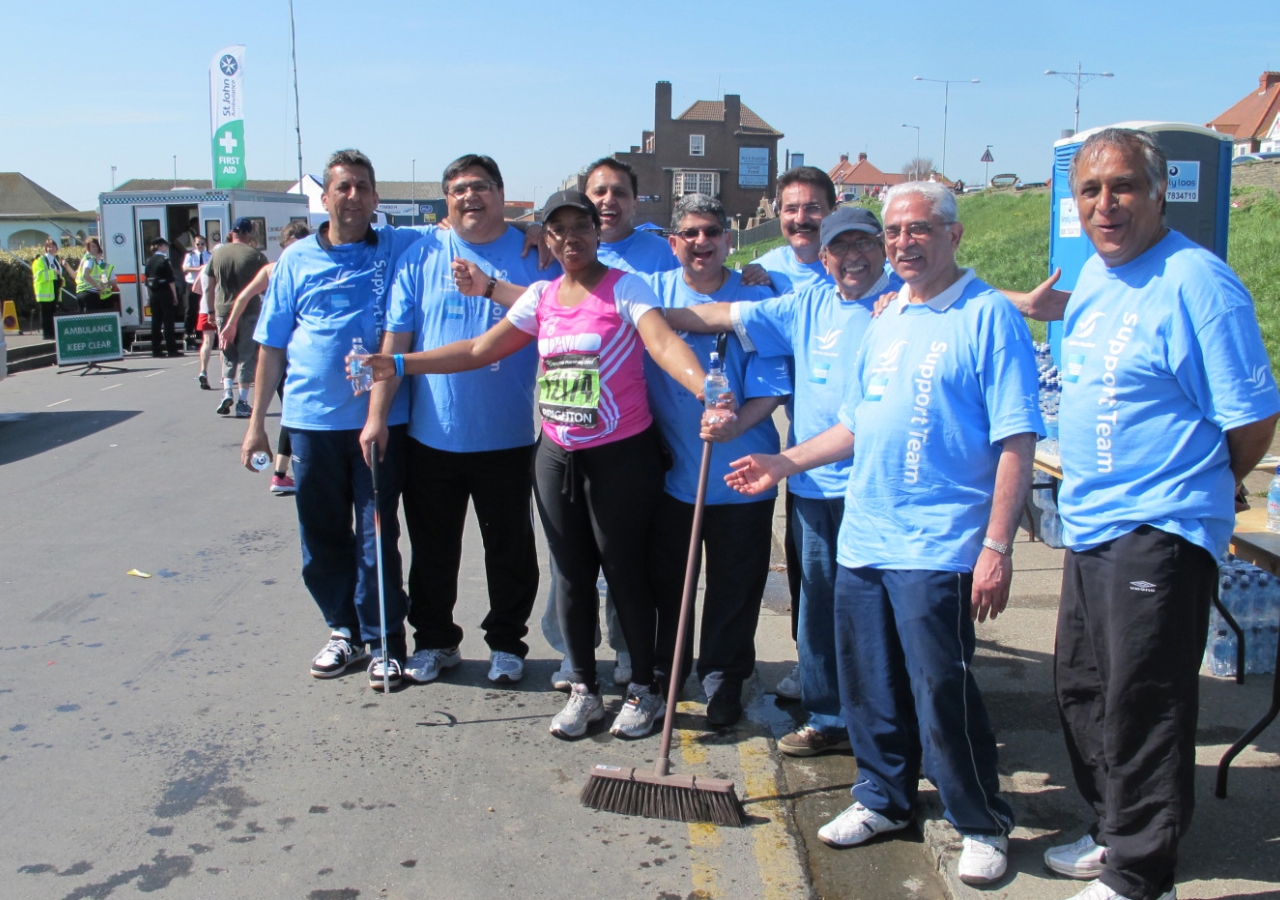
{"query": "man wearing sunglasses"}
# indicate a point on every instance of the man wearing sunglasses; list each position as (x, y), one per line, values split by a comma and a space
(737, 530)
(821, 328)
(471, 434)
(943, 404)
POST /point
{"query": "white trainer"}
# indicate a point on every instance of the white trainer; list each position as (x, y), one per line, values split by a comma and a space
(984, 859)
(338, 655)
(1083, 859)
(505, 668)
(642, 709)
(582, 709)
(562, 678)
(1096, 890)
(789, 687)
(622, 668)
(426, 665)
(856, 825)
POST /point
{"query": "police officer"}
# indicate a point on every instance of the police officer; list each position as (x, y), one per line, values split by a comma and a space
(164, 297)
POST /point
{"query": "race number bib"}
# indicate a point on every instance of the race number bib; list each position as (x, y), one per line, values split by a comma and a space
(569, 390)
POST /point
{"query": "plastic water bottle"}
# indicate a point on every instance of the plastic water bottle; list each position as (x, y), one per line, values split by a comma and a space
(715, 387)
(260, 460)
(360, 371)
(1273, 503)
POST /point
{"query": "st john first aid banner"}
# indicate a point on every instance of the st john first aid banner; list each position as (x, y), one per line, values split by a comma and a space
(226, 109)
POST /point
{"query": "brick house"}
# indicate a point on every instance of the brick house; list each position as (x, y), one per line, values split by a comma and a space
(1254, 122)
(860, 178)
(716, 147)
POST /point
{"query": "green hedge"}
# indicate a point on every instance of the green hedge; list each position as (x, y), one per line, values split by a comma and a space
(15, 278)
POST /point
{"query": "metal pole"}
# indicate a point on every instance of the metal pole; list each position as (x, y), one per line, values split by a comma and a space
(915, 165)
(413, 190)
(1075, 127)
(297, 109)
(113, 178)
(175, 170)
(946, 102)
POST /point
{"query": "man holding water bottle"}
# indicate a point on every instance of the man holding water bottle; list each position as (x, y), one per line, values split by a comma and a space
(327, 292)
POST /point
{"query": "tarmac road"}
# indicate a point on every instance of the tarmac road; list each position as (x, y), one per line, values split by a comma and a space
(162, 734)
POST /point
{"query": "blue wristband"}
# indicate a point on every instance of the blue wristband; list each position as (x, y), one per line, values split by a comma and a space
(399, 358)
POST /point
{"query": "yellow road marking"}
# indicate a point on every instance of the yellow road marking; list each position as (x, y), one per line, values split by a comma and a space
(776, 859)
(704, 838)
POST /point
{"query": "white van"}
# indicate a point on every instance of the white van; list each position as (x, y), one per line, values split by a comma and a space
(129, 220)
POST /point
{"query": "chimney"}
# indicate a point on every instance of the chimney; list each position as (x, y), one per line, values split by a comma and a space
(733, 111)
(662, 102)
(1267, 80)
(862, 157)
(844, 157)
(635, 148)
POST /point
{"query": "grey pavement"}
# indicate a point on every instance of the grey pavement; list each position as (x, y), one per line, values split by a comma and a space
(162, 734)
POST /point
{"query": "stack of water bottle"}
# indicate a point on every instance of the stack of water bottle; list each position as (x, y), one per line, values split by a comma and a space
(1050, 525)
(1252, 597)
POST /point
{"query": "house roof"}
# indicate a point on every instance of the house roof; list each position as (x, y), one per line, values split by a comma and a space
(20, 196)
(1252, 117)
(713, 111)
(861, 172)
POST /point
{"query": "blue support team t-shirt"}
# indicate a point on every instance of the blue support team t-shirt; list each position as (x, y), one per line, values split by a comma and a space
(822, 332)
(788, 274)
(936, 388)
(640, 253)
(468, 412)
(321, 296)
(679, 413)
(1161, 356)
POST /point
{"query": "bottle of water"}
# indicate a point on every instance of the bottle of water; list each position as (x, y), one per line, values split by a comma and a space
(260, 460)
(360, 371)
(715, 387)
(1273, 503)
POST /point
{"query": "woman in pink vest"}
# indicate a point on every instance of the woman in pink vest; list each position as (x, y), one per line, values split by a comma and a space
(599, 466)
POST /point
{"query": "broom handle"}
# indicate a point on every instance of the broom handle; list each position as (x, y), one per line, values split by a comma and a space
(663, 766)
(382, 587)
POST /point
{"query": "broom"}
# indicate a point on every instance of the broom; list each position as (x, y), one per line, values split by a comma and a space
(659, 794)
(382, 586)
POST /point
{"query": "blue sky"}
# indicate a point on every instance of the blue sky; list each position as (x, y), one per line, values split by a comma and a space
(545, 88)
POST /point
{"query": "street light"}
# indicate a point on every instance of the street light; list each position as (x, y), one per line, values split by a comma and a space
(915, 166)
(946, 100)
(1078, 78)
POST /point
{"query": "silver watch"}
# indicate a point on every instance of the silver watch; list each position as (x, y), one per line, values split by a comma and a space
(1002, 549)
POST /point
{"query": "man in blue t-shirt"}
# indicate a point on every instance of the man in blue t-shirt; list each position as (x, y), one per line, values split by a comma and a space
(820, 328)
(943, 405)
(327, 291)
(806, 196)
(612, 187)
(1168, 401)
(737, 531)
(471, 434)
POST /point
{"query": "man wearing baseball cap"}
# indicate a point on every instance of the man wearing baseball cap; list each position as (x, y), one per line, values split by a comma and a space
(821, 327)
(232, 266)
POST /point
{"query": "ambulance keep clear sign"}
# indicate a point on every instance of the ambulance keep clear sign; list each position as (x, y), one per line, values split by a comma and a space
(1184, 182)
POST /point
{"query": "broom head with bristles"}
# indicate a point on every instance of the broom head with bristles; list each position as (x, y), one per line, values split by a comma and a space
(679, 798)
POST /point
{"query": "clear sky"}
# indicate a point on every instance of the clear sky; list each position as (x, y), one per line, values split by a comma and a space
(547, 87)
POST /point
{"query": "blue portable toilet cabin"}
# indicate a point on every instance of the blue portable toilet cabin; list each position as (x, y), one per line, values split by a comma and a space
(1197, 202)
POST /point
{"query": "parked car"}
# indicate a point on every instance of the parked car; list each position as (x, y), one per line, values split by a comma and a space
(1255, 157)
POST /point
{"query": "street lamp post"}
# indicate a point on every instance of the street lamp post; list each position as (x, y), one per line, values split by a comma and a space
(413, 191)
(946, 101)
(915, 166)
(987, 160)
(1078, 78)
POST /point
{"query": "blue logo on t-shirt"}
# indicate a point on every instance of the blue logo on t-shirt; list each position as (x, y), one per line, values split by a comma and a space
(1075, 363)
(818, 375)
(875, 389)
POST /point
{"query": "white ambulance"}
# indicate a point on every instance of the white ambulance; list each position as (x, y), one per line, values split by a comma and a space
(129, 220)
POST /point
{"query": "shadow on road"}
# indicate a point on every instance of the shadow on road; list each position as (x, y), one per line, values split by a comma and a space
(26, 434)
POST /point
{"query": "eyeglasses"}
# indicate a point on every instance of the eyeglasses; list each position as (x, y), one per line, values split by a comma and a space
(915, 229)
(809, 209)
(461, 188)
(858, 245)
(691, 234)
(579, 228)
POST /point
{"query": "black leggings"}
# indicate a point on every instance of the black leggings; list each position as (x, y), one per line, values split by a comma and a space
(597, 505)
(285, 444)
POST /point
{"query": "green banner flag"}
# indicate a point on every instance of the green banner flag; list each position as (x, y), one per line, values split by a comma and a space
(226, 106)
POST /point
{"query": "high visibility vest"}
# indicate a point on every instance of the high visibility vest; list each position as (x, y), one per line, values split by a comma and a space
(43, 276)
(101, 271)
(107, 291)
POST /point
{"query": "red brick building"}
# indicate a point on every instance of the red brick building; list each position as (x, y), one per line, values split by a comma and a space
(716, 147)
(861, 178)
(1254, 122)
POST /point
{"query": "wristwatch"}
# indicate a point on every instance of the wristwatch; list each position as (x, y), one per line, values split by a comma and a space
(1002, 549)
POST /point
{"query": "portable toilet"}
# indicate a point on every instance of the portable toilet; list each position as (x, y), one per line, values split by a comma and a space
(1197, 201)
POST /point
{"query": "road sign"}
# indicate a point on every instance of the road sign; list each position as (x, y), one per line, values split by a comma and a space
(88, 338)
(986, 156)
(11, 318)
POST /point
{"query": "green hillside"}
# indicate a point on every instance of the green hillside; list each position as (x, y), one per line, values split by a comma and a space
(1006, 239)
